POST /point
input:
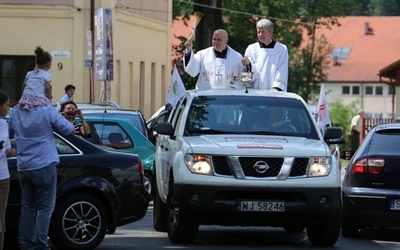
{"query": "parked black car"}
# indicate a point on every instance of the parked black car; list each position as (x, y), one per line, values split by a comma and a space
(97, 191)
(371, 186)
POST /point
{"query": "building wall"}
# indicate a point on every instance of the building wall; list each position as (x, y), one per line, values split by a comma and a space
(141, 37)
(376, 105)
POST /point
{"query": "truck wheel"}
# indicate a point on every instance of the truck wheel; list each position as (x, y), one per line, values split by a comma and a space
(159, 212)
(324, 235)
(179, 230)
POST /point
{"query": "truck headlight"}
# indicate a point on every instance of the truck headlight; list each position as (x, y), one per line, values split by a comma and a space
(319, 166)
(199, 164)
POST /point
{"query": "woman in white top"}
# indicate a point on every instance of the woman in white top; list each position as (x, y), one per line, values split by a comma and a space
(5, 151)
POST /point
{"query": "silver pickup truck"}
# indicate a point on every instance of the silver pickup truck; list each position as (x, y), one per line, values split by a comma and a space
(237, 158)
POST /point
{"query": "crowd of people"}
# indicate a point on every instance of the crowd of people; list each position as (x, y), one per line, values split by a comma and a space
(32, 122)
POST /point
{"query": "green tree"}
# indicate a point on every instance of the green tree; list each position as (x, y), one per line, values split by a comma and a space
(362, 10)
(319, 63)
(341, 116)
(384, 8)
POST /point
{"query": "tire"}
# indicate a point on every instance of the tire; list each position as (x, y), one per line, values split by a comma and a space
(78, 222)
(349, 230)
(294, 228)
(179, 230)
(159, 212)
(148, 182)
(324, 235)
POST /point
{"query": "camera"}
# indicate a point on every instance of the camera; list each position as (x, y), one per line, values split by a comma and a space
(70, 113)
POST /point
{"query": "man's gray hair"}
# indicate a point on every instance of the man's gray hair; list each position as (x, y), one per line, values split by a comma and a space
(265, 23)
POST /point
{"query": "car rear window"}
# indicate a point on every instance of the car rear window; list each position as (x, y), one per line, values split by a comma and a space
(132, 118)
(385, 141)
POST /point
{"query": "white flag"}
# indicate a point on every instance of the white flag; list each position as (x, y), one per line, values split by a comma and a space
(322, 109)
(176, 89)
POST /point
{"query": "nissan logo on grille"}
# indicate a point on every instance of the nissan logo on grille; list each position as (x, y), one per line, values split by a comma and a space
(261, 167)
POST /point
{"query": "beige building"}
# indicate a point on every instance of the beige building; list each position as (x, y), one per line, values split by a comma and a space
(141, 38)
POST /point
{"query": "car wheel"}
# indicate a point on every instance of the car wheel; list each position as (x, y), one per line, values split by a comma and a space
(294, 228)
(179, 230)
(324, 235)
(147, 179)
(78, 222)
(159, 212)
(349, 229)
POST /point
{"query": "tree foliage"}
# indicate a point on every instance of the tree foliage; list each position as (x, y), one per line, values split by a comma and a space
(384, 8)
(376, 8)
(341, 116)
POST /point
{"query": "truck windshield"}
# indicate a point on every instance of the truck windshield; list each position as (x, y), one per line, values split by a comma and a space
(249, 115)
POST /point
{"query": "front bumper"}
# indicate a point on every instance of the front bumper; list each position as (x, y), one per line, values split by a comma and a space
(217, 205)
(371, 207)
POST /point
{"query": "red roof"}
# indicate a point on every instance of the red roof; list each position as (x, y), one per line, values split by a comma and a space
(369, 53)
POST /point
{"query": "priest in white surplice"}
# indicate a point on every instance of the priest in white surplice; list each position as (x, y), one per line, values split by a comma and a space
(218, 66)
(268, 59)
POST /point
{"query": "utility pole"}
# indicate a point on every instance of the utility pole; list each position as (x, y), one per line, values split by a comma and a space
(92, 68)
(310, 64)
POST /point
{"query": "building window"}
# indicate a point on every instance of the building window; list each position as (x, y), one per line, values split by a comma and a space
(378, 90)
(369, 90)
(341, 52)
(355, 90)
(390, 90)
(13, 70)
(346, 90)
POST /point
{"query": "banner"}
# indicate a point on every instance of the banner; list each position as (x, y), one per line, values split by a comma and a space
(103, 43)
(176, 89)
(322, 110)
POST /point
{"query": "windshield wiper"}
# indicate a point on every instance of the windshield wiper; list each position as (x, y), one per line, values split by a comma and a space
(209, 131)
(264, 132)
(214, 131)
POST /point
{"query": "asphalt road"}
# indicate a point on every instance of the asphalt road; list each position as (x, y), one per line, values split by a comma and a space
(141, 235)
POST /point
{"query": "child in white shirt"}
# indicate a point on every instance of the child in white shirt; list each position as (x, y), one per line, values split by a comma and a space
(37, 89)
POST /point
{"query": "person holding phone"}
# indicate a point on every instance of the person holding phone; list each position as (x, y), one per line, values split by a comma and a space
(70, 110)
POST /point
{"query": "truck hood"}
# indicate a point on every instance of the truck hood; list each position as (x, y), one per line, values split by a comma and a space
(256, 145)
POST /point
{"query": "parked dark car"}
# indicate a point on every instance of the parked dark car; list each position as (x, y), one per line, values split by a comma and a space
(121, 135)
(371, 185)
(97, 191)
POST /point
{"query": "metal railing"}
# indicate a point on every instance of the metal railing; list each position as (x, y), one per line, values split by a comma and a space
(368, 123)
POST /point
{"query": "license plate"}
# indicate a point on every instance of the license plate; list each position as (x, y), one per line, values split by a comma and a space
(260, 206)
(395, 205)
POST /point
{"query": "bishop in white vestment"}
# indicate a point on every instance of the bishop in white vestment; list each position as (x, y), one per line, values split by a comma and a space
(218, 66)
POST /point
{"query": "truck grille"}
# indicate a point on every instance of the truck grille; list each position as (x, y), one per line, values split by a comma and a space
(247, 164)
(222, 166)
